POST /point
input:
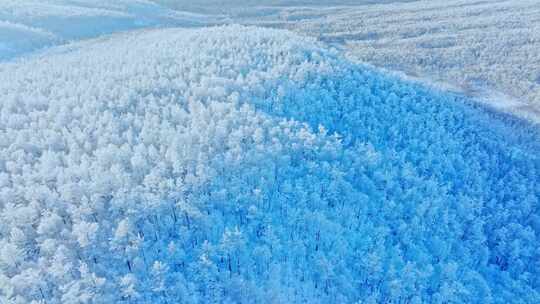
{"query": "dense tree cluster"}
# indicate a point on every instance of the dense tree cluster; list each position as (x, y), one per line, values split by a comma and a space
(245, 165)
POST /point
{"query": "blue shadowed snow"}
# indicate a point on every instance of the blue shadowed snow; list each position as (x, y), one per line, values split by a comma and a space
(29, 25)
(246, 165)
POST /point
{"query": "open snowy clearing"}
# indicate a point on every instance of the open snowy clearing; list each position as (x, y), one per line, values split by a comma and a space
(30, 25)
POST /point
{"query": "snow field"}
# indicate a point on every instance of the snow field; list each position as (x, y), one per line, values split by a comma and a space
(30, 25)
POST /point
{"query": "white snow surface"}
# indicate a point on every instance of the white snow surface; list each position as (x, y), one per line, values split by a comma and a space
(29, 25)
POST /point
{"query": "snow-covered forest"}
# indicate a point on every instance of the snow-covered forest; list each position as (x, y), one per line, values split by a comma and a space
(151, 155)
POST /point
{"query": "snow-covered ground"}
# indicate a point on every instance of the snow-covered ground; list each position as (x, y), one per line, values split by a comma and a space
(30, 25)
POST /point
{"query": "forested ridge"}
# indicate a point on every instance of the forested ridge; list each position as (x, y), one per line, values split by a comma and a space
(245, 165)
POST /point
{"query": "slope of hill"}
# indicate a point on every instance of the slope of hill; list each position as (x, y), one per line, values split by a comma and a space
(486, 49)
(246, 165)
(29, 25)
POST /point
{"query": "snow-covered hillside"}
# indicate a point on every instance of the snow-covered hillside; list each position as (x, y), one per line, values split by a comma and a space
(247, 165)
(29, 25)
(255, 7)
(486, 49)
(145, 163)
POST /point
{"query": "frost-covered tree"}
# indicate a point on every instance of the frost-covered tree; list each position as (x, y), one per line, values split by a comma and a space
(245, 165)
